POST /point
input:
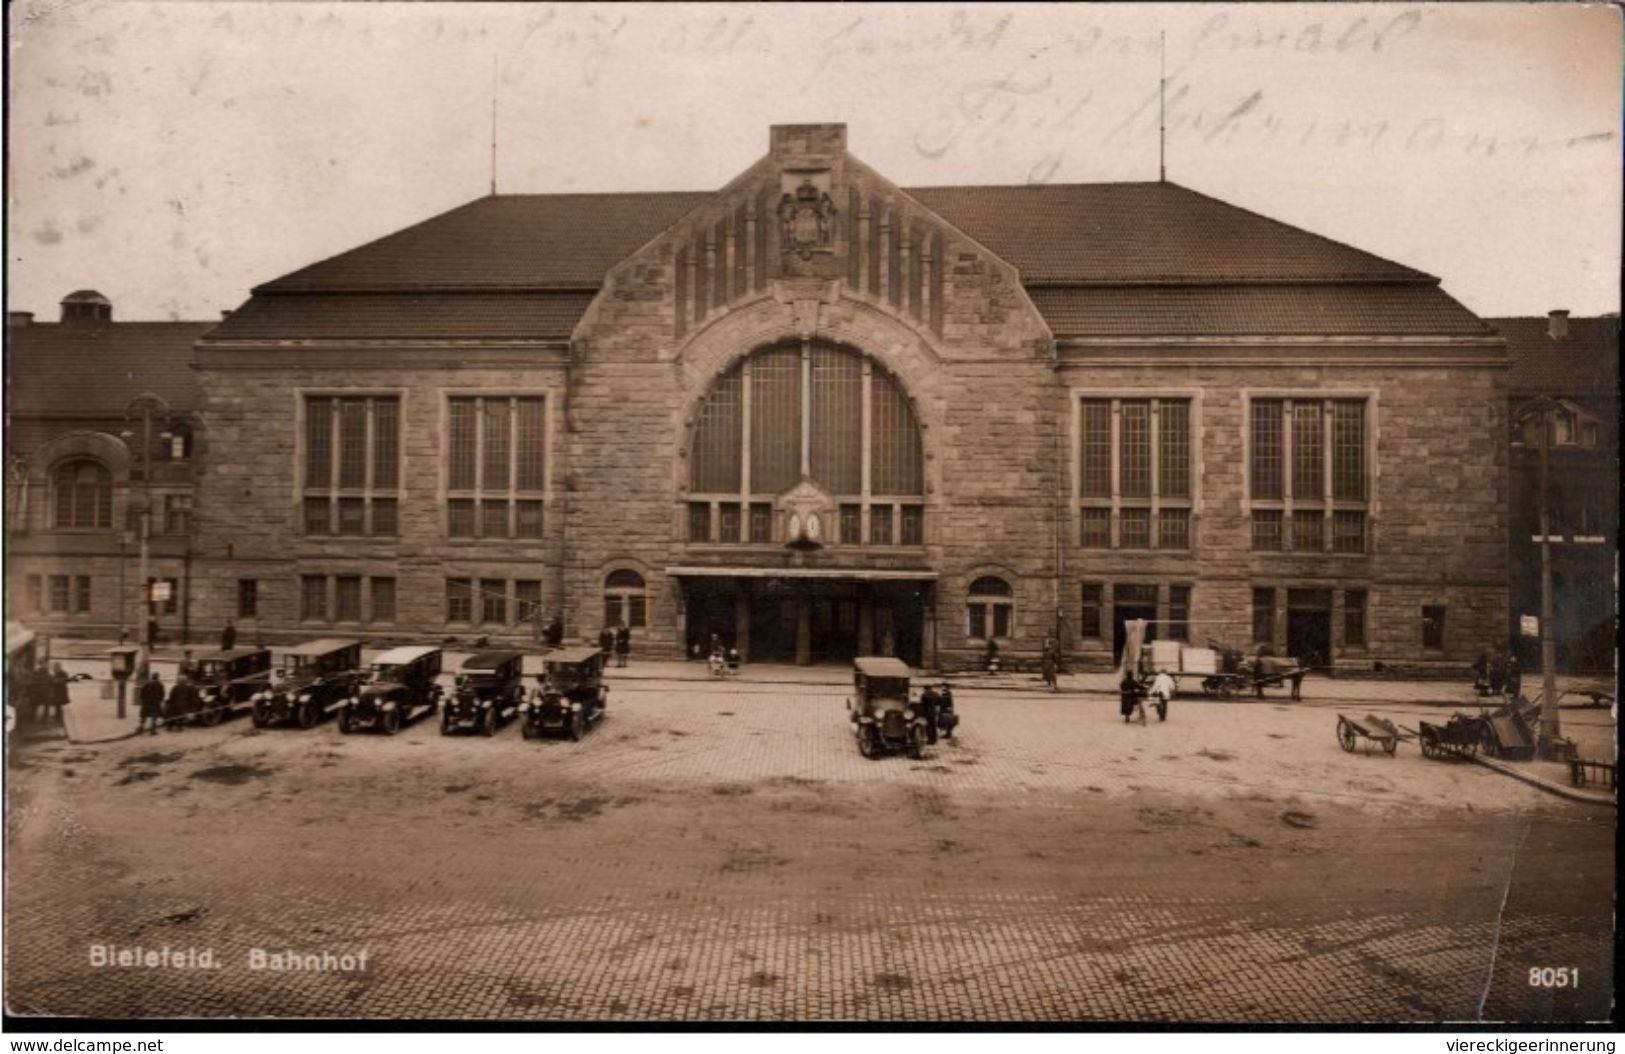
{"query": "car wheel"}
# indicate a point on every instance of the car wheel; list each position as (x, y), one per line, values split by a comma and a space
(259, 715)
(209, 716)
(868, 745)
(308, 714)
(916, 743)
(346, 725)
(489, 724)
(576, 722)
(391, 722)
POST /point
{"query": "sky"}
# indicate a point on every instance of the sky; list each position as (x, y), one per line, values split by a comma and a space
(173, 155)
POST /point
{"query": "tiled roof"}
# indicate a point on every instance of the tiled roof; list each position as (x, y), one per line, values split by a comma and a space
(1136, 258)
(92, 369)
(1586, 363)
(1144, 232)
(1254, 310)
(515, 315)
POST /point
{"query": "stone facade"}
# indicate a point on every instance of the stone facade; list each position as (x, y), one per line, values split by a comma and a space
(809, 247)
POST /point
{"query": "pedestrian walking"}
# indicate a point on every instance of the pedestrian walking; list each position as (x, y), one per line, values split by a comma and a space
(623, 643)
(1163, 689)
(1129, 691)
(152, 633)
(1050, 662)
(228, 636)
(181, 704)
(151, 698)
(606, 641)
(58, 695)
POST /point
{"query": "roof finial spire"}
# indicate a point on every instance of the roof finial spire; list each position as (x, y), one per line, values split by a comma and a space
(493, 125)
(1162, 113)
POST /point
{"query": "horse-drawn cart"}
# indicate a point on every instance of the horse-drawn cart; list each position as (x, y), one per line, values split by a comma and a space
(1375, 730)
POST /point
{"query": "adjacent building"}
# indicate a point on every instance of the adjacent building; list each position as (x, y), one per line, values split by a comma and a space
(816, 414)
(81, 393)
(1574, 362)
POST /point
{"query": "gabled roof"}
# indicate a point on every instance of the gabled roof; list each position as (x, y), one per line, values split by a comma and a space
(92, 369)
(526, 266)
(1586, 363)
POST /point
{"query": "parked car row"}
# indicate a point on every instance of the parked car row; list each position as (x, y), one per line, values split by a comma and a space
(322, 678)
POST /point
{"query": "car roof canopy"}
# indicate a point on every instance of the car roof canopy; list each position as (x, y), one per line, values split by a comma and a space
(577, 654)
(880, 666)
(230, 656)
(403, 656)
(324, 646)
(489, 660)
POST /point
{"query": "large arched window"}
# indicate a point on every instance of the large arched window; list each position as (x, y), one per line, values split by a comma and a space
(817, 411)
(82, 495)
(990, 608)
(626, 599)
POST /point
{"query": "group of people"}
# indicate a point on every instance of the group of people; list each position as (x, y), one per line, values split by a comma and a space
(40, 693)
(170, 708)
(1496, 672)
(617, 641)
(1133, 694)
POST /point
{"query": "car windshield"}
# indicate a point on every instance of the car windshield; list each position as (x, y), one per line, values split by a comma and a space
(295, 664)
(565, 677)
(213, 669)
(390, 674)
(888, 688)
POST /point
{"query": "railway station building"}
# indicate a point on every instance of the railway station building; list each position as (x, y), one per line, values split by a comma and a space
(816, 415)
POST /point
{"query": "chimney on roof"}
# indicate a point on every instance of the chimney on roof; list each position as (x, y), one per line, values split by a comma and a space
(225, 313)
(1557, 324)
(86, 305)
(19, 318)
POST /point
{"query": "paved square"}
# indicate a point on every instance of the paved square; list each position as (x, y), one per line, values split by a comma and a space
(722, 852)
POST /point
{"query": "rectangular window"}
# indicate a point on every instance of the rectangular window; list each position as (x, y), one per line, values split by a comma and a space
(976, 621)
(351, 445)
(527, 601)
(493, 602)
(1354, 602)
(1308, 453)
(851, 525)
(177, 513)
(81, 594)
(528, 518)
(496, 465)
(459, 600)
(352, 516)
(913, 526)
(1095, 460)
(347, 598)
(1174, 449)
(1179, 613)
(1150, 452)
(1308, 532)
(1134, 474)
(1134, 529)
(775, 424)
(637, 611)
(383, 600)
(318, 513)
(699, 521)
(1267, 530)
(1001, 619)
(59, 594)
(313, 598)
(729, 522)
(1090, 624)
(248, 598)
(1348, 450)
(761, 523)
(493, 519)
(460, 518)
(1097, 528)
(1174, 529)
(1264, 615)
(1433, 627)
(385, 517)
(1348, 531)
(880, 525)
(1267, 471)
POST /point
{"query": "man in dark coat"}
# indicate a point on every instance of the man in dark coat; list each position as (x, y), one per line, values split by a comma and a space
(606, 642)
(151, 697)
(228, 636)
(623, 643)
(58, 695)
(555, 632)
(182, 703)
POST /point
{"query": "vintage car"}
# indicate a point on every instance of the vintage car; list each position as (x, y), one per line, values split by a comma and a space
(882, 714)
(490, 688)
(401, 686)
(572, 696)
(226, 680)
(311, 679)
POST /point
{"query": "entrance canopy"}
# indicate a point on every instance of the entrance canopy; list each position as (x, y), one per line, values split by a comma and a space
(848, 574)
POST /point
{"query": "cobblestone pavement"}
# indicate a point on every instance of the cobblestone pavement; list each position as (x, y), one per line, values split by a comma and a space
(721, 852)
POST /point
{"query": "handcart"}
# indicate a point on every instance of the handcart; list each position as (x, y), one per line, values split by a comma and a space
(1375, 730)
(1454, 741)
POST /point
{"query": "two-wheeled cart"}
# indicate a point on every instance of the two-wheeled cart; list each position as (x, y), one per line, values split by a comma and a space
(1376, 731)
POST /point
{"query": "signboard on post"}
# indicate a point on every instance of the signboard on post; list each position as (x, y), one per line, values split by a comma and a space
(1529, 625)
(161, 592)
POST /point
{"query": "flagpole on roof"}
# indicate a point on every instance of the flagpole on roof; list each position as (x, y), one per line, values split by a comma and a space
(1162, 112)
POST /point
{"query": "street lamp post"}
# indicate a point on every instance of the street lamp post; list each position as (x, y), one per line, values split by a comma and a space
(145, 404)
(1540, 408)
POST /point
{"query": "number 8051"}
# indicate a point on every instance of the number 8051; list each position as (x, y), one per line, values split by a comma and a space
(1554, 977)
